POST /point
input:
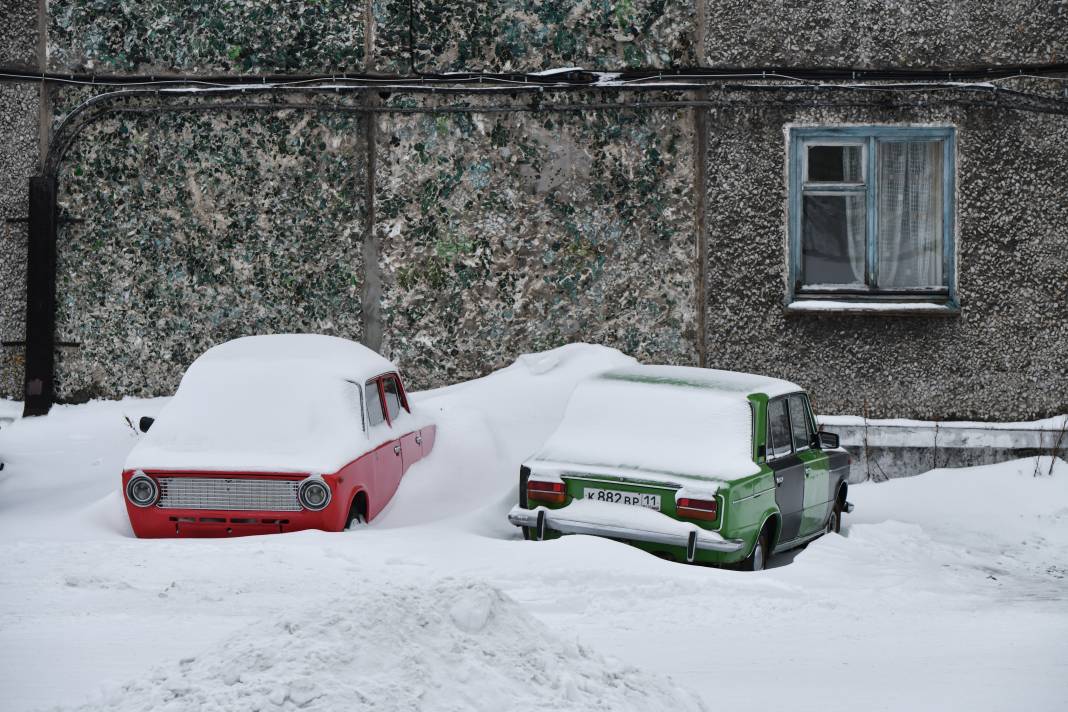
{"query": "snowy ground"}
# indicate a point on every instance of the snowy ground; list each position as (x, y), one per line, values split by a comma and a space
(947, 592)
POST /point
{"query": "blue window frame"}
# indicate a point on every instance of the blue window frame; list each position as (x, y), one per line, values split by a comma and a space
(871, 213)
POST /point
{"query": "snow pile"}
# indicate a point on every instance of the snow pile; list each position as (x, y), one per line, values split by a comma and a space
(279, 403)
(655, 426)
(451, 646)
(486, 429)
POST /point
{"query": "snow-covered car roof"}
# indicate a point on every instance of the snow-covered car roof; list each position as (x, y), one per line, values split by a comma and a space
(278, 403)
(727, 382)
(661, 420)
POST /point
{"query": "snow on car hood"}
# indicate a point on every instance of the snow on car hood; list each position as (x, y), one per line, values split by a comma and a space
(283, 403)
(655, 427)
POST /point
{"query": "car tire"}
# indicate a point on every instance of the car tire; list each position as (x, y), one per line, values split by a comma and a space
(758, 560)
(834, 520)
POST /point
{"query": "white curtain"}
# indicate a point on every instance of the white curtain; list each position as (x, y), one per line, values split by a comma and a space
(910, 214)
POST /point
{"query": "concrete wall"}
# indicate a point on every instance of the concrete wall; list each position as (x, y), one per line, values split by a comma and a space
(455, 241)
(19, 122)
(1005, 357)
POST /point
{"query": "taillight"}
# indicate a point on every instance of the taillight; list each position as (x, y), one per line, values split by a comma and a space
(696, 508)
(552, 492)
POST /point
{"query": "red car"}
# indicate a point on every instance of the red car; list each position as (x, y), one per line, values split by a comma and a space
(272, 434)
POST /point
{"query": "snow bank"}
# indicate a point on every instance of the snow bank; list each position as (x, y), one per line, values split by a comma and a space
(279, 403)
(658, 425)
(455, 645)
(486, 429)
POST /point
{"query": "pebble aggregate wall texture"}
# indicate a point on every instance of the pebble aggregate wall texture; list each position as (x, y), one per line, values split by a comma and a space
(1004, 358)
(511, 232)
(498, 233)
(206, 35)
(18, 161)
(885, 33)
(331, 35)
(511, 35)
(18, 33)
(199, 228)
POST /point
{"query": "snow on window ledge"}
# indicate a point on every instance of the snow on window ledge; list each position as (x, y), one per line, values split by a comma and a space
(828, 306)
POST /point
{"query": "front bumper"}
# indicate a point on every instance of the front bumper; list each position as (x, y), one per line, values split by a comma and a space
(656, 529)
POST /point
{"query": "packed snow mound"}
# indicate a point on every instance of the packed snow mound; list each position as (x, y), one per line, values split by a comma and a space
(486, 429)
(455, 645)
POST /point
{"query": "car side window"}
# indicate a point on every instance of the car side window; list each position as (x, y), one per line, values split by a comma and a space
(778, 428)
(375, 413)
(393, 398)
(799, 422)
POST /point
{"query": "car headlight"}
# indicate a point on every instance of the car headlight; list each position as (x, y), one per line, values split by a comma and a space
(142, 490)
(313, 494)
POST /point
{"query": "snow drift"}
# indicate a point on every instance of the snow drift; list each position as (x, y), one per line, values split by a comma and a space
(454, 645)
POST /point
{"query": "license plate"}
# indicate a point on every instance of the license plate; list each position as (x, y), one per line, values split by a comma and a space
(636, 499)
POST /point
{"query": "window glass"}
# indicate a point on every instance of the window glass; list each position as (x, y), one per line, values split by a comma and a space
(393, 403)
(799, 423)
(833, 239)
(910, 213)
(375, 413)
(778, 428)
(835, 164)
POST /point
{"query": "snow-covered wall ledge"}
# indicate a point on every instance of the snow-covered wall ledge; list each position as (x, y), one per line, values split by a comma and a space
(888, 448)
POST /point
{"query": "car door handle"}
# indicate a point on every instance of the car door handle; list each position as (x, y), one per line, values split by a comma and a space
(396, 449)
(418, 439)
(778, 481)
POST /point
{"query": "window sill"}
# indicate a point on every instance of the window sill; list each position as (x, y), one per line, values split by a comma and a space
(827, 306)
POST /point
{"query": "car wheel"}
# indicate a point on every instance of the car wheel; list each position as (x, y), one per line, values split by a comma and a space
(758, 560)
(834, 520)
(356, 518)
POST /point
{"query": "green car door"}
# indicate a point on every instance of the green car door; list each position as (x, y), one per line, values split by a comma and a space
(817, 472)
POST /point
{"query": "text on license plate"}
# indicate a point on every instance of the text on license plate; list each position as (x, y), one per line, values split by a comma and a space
(637, 499)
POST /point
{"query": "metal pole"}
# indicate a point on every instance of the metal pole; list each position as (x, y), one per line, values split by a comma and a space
(39, 391)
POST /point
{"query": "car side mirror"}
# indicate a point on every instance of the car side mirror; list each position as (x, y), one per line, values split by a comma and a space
(145, 423)
(828, 441)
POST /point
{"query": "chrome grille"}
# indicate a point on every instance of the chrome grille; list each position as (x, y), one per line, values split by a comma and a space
(222, 493)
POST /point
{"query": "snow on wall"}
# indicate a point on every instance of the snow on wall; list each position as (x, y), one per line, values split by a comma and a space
(508, 233)
(209, 228)
(217, 200)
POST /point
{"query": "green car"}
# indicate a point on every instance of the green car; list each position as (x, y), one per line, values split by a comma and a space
(691, 464)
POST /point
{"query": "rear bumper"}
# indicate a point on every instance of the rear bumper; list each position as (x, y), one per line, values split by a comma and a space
(670, 532)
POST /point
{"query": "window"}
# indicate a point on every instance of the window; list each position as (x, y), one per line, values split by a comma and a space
(778, 428)
(799, 423)
(393, 399)
(871, 213)
(375, 413)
